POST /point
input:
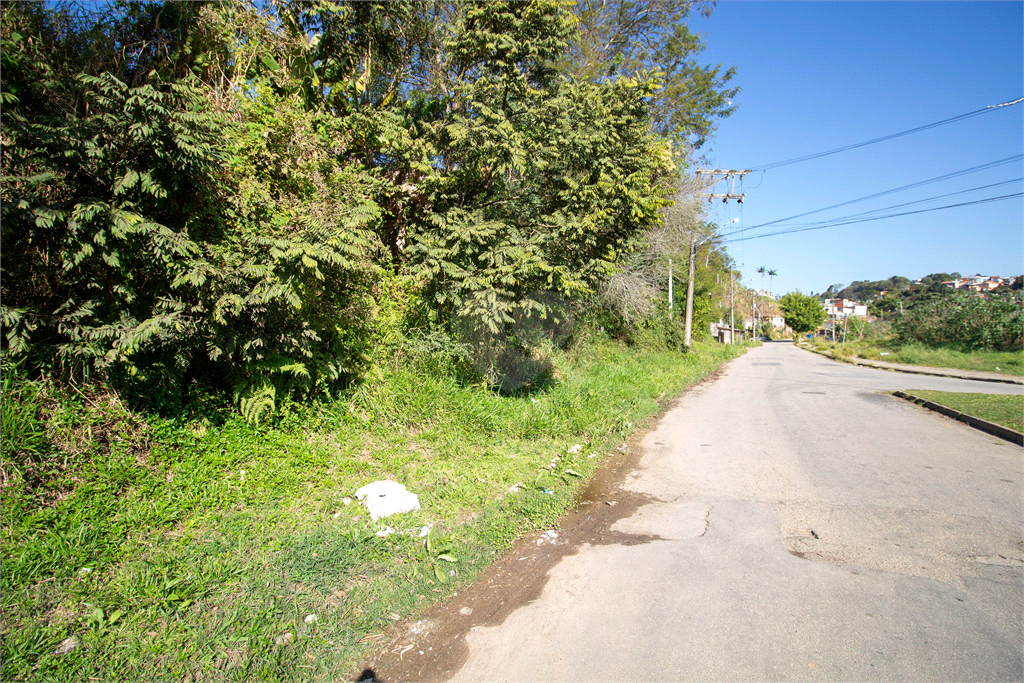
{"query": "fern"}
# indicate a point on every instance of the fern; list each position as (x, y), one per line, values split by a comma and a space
(256, 400)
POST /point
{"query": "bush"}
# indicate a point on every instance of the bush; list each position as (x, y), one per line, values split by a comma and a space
(964, 321)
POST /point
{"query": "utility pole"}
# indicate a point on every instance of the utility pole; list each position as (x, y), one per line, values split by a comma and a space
(732, 310)
(670, 289)
(689, 291)
(714, 174)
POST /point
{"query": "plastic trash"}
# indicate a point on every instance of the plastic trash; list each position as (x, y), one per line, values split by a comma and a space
(385, 498)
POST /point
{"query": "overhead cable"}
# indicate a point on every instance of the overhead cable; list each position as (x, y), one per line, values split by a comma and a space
(947, 176)
(917, 201)
(892, 136)
(875, 218)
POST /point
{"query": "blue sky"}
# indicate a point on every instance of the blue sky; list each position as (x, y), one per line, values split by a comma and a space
(820, 75)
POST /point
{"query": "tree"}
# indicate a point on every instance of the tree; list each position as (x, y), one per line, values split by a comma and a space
(803, 313)
(626, 38)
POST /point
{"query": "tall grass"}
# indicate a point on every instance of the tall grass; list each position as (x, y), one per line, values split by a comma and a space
(1006, 362)
(190, 547)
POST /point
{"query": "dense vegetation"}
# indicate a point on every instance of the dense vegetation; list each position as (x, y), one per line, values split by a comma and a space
(932, 315)
(259, 254)
(254, 195)
(966, 322)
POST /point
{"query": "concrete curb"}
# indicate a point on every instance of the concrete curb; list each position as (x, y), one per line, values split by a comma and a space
(852, 361)
(976, 422)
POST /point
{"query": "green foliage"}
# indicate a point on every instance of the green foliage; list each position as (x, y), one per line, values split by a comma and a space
(23, 439)
(203, 193)
(623, 38)
(98, 206)
(803, 313)
(964, 321)
(136, 253)
(186, 546)
(542, 183)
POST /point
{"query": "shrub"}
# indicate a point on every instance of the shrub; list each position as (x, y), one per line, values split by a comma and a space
(965, 321)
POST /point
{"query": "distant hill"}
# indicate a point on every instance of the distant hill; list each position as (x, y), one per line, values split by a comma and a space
(865, 290)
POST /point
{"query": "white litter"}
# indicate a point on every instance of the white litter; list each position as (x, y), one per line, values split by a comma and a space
(66, 646)
(576, 449)
(310, 619)
(549, 536)
(346, 500)
(386, 531)
(425, 531)
(385, 498)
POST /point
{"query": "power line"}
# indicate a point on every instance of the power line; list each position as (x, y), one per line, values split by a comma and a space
(839, 219)
(947, 176)
(877, 218)
(837, 150)
(917, 201)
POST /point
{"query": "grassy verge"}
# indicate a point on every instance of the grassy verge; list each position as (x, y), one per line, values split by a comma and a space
(210, 549)
(1005, 362)
(1007, 411)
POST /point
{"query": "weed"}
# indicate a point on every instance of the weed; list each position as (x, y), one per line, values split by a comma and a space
(189, 546)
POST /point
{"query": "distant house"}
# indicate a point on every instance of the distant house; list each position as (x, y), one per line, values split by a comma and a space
(979, 283)
(725, 334)
(842, 308)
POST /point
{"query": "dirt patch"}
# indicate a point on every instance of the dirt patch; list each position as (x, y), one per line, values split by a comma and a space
(434, 648)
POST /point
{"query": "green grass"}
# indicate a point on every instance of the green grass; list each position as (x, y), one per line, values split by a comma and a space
(1005, 362)
(186, 548)
(1007, 411)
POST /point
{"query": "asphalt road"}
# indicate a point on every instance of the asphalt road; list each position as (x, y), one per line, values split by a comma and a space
(800, 526)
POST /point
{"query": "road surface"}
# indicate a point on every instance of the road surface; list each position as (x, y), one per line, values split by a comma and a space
(794, 524)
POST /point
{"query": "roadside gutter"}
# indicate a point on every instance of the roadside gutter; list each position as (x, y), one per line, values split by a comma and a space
(976, 422)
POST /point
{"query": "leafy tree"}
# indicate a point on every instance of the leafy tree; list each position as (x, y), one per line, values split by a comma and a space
(628, 38)
(98, 205)
(803, 313)
(216, 191)
(539, 183)
(150, 240)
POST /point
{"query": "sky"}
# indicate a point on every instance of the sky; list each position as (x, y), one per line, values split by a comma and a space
(816, 76)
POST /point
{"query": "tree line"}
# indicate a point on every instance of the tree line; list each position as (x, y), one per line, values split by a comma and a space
(253, 195)
(926, 312)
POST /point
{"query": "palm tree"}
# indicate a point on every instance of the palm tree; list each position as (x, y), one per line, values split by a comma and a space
(771, 274)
